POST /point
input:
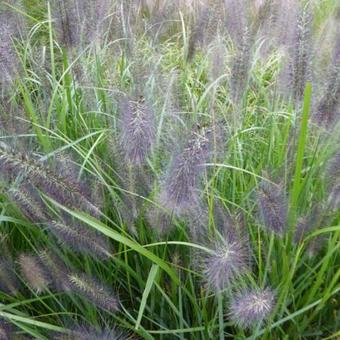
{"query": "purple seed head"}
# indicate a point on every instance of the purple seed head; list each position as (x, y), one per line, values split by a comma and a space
(180, 188)
(240, 67)
(55, 270)
(5, 330)
(328, 108)
(33, 272)
(8, 280)
(333, 185)
(236, 18)
(272, 204)
(8, 57)
(80, 239)
(29, 204)
(227, 262)
(300, 64)
(250, 308)
(61, 187)
(137, 130)
(95, 292)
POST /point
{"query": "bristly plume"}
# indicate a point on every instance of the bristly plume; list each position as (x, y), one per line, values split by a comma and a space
(272, 204)
(8, 280)
(180, 189)
(93, 291)
(80, 239)
(65, 190)
(30, 205)
(250, 308)
(68, 22)
(79, 21)
(8, 56)
(33, 272)
(236, 18)
(138, 129)
(240, 67)
(55, 269)
(300, 55)
(228, 261)
(328, 108)
(89, 333)
(5, 330)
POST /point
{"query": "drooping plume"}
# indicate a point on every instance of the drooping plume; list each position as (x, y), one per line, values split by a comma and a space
(80, 239)
(8, 280)
(180, 190)
(272, 204)
(33, 272)
(55, 270)
(65, 190)
(29, 204)
(250, 308)
(93, 291)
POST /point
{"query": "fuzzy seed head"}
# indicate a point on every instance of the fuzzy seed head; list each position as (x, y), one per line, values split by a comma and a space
(33, 272)
(8, 281)
(29, 205)
(5, 330)
(64, 189)
(300, 67)
(138, 130)
(249, 308)
(273, 207)
(80, 239)
(180, 189)
(55, 270)
(228, 261)
(93, 291)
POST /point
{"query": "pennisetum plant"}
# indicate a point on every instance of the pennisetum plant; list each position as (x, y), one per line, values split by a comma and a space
(180, 189)
(272, 203)
(251, 307)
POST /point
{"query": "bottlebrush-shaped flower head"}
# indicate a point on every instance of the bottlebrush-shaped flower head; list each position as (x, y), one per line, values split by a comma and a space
(328, 107)
(180, 188)
(272, 203)
(301, 52)
(8, 280)
(8, 57)
(250, 308)
(80, 239)
(138, 130)
(5, 330)
(228, 260)
(29, 204)
(93, 291)
(55, 270)
(240, 67)
(33, 272)
(64, 189)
